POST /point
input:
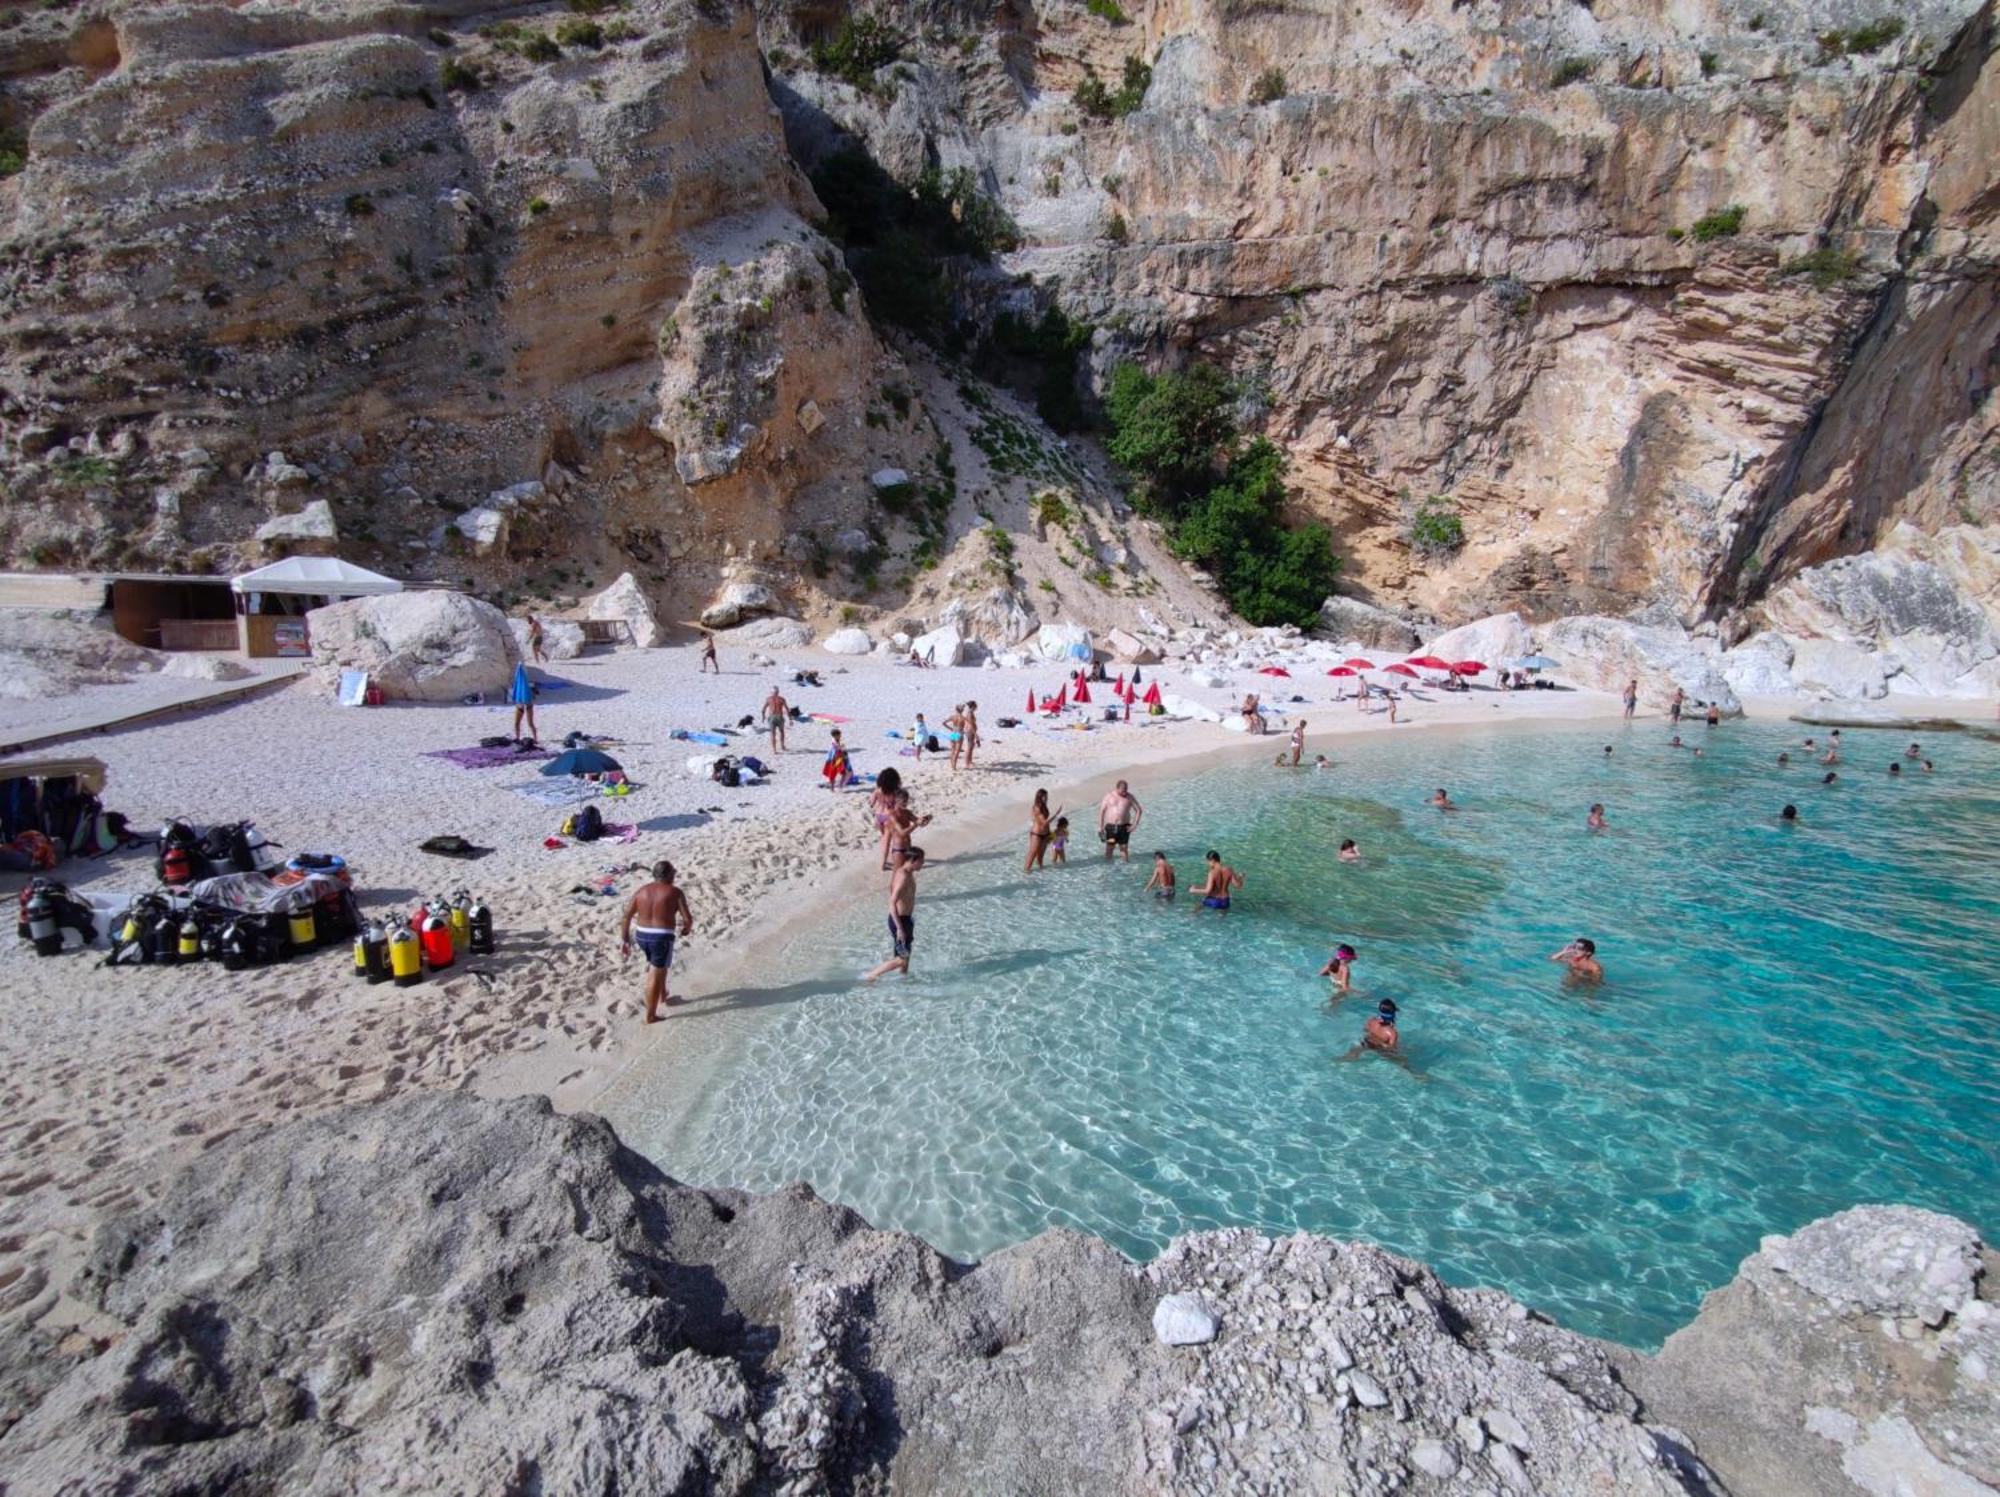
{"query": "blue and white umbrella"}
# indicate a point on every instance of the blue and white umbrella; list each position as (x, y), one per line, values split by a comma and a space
(1533, 663)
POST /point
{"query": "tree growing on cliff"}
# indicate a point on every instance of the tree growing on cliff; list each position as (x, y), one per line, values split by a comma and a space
(1222, 507)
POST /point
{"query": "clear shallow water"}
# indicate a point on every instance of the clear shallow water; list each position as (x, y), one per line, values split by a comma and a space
(1796, 1020)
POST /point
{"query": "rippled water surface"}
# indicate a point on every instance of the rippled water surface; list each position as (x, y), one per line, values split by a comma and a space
(1796, 1019)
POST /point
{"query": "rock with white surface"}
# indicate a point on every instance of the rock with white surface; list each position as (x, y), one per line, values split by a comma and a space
(1183, 1320)
(847, 642)
(626, 602)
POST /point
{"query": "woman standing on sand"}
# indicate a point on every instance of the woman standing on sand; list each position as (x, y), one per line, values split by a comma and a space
(1040, 828)
(882, 806)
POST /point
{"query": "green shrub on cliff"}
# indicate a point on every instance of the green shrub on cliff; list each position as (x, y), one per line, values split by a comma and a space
(863, 45)
(1269, 87)
(13, 151)
(1101, 103)
(1723, 223)
(1435, 529)
(1826, 267)
(1859, 41)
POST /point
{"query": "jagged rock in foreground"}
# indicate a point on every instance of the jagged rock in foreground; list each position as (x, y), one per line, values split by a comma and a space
(443, 1293)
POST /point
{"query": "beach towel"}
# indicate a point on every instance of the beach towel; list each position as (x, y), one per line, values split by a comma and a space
(827, 717)
(620, 831)
(481, 757)
(556, 792)
(520, 693)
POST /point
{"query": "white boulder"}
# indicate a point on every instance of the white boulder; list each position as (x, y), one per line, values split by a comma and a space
(417, 646)
(736, 602)
(945, 646)
(1604, 653)
(1759, 667)
(1188, 708)
(774, 633)
(626, 602)
(1931, 637)
(1834, 668)
(1001, 616)
(1063, 642)
(1183, 1320)
(1130, 648)
(847, 642)
(888, 478)
(1491, 641)
(311, 531)
(203, 667)
(562, 639)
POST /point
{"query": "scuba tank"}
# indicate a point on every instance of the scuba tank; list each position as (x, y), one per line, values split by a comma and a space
(187, 944)
(42, 927)
(375, 952)
(479, 934)
(303, 926)
(461, 922)
(436, 935)
(236, 953)
(361, 954)
(404, 962)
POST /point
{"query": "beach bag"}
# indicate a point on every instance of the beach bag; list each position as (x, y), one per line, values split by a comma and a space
(755, 766)
(588, 824)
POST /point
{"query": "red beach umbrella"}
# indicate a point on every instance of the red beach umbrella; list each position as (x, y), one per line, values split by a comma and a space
(1153, 695)
(1062, 698)
(1341, 670)
(1399, 670)
(1428, 662)
(1273, 670)
(1119, 689)
(1355, 662)
(1468, 668)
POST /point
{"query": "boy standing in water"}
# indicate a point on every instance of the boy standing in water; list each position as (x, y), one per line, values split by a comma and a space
(1215, 889)
(1580, 956)
(902, 915)
(1161, 884)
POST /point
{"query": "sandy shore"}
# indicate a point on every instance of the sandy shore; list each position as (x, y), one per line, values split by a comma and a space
(113, 1078)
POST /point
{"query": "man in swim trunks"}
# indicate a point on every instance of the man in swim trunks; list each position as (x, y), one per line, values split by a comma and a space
(902, 915)
(1380, 1035)
(652, 916)
(1631, 697)
(1674, 706)
(1161, 884)
(1118, 816)
(1580, 956)
(1215, 890)
(776, 709)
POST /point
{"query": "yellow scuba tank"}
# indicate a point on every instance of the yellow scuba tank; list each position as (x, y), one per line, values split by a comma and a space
(188, 947)
(406, 961)
(461, 922)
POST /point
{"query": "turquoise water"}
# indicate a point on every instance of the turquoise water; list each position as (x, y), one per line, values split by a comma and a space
(1796, 1019)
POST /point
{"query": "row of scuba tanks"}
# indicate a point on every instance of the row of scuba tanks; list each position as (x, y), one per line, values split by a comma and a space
(434, 937)
(171, 928)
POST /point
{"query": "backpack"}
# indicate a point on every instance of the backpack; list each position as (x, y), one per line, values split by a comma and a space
(726, 773)
(589, 824)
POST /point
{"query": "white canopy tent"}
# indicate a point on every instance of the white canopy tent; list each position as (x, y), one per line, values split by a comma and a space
(316, 577)
(273, 601)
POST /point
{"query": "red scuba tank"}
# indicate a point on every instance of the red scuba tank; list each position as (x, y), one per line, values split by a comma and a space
(436, 939)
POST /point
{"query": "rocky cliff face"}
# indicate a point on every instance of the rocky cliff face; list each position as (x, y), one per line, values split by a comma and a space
(1671, 301)
(446, 1294)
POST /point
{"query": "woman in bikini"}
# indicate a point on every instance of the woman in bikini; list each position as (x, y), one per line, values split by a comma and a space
(903, 823)
(882, 804)
(1040, 829)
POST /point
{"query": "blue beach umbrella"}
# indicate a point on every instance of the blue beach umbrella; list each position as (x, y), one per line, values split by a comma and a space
(1533, 663)
(581, 762)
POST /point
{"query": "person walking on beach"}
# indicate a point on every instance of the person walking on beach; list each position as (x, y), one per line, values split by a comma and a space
(1580, 956)
(1631, 697)
(1040, 829)
(1298, 741)
(1339, 969)
(882, 806)
(1215, 889)
(708, 660)
(837, 769)
(902, 915)
(776, 709)
(535, 641)
(522, 694)
(654, 914)
(1118, 817)
(1161, 884)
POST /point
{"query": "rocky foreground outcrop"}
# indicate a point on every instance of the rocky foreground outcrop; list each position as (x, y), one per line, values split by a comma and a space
(448, 1294)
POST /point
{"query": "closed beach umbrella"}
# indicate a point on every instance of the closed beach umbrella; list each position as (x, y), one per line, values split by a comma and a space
(1153, 695)
(1429, 663)
(1082, 690)
(1399, 670)
(1535, 663)
(580, 762)
(1031, 699)
(1355, 662)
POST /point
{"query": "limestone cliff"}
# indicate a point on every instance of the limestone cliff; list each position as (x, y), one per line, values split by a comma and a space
(1672, 301)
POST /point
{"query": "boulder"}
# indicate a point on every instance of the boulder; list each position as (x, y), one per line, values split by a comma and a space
(1491, 641)
(310, 532)
(736, 602)
(204, 667)
(1759, 667)
(944, 646)
(1834, 668)
(1604, 653)
(45, 654)
(626, 601)
(1000, 616)
(1065, 642)
(1130, 648)
(417, 646)
(1903, 608)
(885, 479)
(562, 639)
(1187, 707)
(847, 642)
(1352, 621)
(774, 633)
(1183, 1320)
(488, 526)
